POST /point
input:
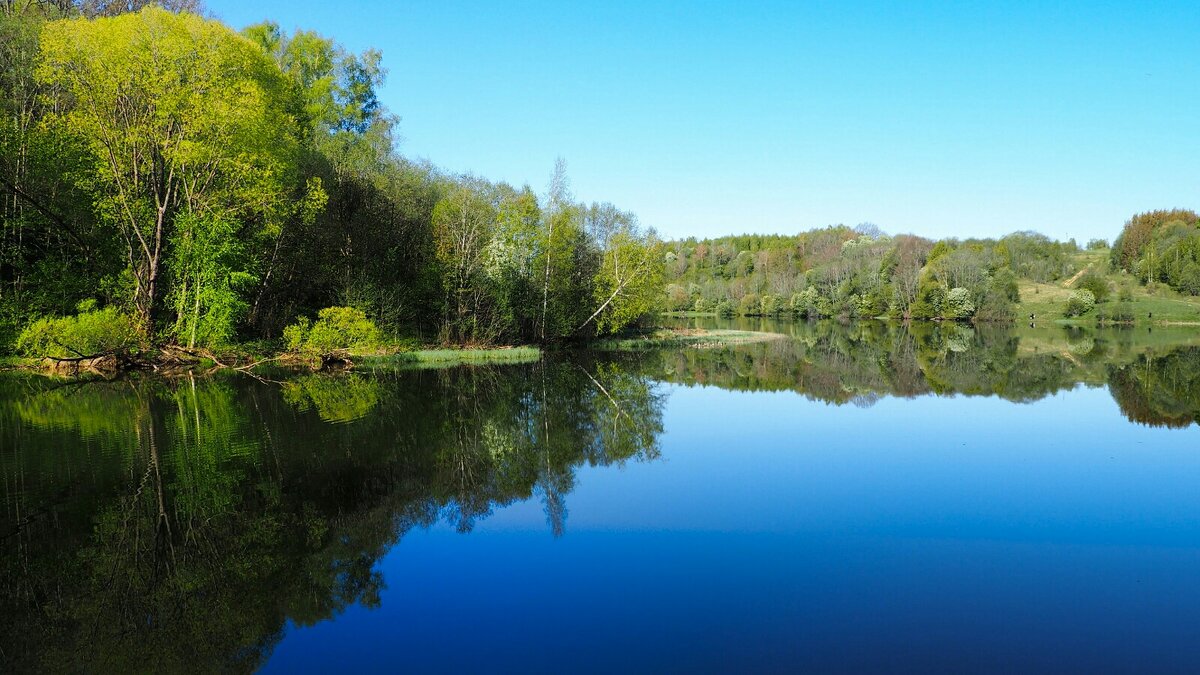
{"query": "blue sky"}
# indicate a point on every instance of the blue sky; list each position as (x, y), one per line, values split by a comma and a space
(713, 118)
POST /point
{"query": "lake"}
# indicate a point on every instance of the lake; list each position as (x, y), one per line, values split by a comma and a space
(841, 497)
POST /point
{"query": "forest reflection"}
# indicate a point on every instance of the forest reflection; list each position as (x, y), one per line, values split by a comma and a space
(183, 522)
(1148, 372)
(187, 521)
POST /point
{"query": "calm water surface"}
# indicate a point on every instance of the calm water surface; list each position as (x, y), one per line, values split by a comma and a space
(842, 498)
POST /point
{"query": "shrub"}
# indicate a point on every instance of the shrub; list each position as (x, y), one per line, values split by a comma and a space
(724, 309)
(90, 332)
(958, 304)
(1095, 283)
(1097, 244)
(701, 305)
(1120, 312)
(336, 329)
(1080, 302)
(929, 301)
(805, 302)
(769, 305)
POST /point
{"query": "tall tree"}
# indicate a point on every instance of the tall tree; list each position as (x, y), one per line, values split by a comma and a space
(179, 115)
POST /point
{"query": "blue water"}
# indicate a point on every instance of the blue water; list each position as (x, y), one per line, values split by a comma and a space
(778, 533)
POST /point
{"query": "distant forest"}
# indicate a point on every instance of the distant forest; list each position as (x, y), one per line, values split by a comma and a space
(861, 272)
(165, 179)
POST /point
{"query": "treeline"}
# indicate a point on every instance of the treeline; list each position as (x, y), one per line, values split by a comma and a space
(211, 187)
(861, 273)
(1162, 246)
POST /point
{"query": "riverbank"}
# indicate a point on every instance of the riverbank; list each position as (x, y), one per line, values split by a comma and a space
(252, 358)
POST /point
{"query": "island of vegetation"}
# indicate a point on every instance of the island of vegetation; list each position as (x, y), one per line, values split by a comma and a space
(177, 192)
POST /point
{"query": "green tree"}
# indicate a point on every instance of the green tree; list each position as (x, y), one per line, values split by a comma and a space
(179, 115)
(629, 281)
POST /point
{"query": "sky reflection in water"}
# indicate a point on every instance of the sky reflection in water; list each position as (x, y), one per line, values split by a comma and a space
(812, 506)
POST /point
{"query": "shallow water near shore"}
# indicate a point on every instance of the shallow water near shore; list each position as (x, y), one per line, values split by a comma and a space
(866, 496)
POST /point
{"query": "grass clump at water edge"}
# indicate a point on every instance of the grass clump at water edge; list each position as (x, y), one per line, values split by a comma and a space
(443, 358)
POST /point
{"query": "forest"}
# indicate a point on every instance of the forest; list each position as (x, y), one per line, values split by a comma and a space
(166, 180)
(862, 272)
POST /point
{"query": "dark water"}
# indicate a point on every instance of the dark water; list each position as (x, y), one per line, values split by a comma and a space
(846, 498)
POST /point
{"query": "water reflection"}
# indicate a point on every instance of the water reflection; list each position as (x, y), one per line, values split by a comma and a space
(185, 522)
(1148, 373)
(188, 521)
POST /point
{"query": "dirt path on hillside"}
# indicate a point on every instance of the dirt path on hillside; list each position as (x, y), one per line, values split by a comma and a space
(1072, 280)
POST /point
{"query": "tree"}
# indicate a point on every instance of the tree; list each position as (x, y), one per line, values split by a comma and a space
(629, 281)
(462, 228)
(1139, 230)
(179, 115)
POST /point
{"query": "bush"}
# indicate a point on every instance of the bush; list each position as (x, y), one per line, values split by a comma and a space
(804, 303)
(1097, 244)
(91, 332)
(1080, 302)
(701, 305)
(958, 304)
(1118, 313)
(1095, 283)
(336, 329)
(724, 309)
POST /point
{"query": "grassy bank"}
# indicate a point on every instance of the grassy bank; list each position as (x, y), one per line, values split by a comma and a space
(1155, 305)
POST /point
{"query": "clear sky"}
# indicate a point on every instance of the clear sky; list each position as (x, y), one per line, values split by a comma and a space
(714, 118)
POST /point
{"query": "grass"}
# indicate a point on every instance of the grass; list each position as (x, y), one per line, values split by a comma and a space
(1157, 305)
(695, 338)
(446, 358)
(1048, 301)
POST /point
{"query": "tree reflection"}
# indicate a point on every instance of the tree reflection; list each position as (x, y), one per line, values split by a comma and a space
(1149, 374)
(184, 522)
(187, 521)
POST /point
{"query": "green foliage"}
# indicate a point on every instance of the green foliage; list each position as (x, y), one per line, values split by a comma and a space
(725, 309)
(750, 305)
(804, 303)
(208, 264)
(998, 302)
(1129, 248)
(1119, 312)
(336, 329)
(1080, 302)
(1096, 283)
(840, 272)
(958, 304)
(89, 333)
(178, 115)
(1097, 244)
(930, 300)
(629, 278)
